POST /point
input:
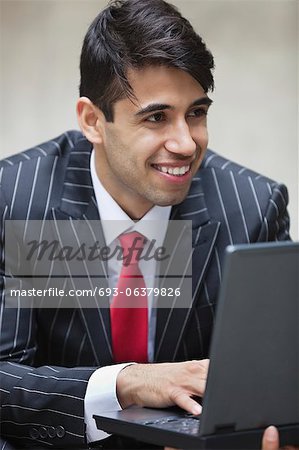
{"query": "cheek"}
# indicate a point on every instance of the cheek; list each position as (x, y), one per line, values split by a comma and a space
(205, 139)
(146, 146)
(201, 136)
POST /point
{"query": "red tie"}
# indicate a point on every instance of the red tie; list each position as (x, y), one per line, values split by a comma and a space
(129, 324)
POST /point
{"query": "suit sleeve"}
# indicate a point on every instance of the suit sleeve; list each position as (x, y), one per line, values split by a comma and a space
(276, 222)
(39, 405)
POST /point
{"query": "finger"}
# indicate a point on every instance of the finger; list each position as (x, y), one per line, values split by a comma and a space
(185, 402)
(270, 439)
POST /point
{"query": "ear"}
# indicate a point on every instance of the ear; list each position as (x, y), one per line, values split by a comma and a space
(91, 120)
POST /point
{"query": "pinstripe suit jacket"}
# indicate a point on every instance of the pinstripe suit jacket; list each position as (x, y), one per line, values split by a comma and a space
(48, 355)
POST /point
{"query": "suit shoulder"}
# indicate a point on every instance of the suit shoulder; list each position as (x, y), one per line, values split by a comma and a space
(226, 167)
(59, 146)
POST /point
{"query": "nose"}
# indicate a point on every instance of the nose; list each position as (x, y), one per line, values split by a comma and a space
(180, 140)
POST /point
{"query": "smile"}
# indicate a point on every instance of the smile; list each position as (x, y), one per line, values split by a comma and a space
(177, 171)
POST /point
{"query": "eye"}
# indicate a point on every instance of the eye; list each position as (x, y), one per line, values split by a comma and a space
(198, 112)
(156, 117)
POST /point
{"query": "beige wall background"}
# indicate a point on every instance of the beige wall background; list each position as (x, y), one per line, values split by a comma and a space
(255, 43)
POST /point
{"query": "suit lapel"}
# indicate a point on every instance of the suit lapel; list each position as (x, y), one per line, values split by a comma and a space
(78, 203)
(172, 322)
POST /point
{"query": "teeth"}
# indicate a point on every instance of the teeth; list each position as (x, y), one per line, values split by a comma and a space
(178, 171)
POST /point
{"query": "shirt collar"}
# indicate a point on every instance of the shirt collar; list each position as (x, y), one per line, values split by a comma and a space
(115, 221)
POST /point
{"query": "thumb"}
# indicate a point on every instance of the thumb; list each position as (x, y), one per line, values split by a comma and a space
(270, 439)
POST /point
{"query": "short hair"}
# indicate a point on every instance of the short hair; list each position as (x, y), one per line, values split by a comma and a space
(133, 34)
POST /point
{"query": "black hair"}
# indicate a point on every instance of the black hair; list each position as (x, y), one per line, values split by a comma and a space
(133, 34)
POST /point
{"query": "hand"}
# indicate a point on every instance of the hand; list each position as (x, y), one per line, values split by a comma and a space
(271, 440)
(162, 385)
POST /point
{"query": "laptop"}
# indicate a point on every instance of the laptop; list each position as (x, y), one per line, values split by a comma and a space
(253, 378)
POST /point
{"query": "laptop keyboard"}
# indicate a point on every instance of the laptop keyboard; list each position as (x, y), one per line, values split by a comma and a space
(187, 424)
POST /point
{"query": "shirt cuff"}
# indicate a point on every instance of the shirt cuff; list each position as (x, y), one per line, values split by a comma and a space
(101, 396)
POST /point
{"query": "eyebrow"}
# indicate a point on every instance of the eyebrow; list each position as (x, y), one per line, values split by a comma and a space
(161, 106)
(202, 101)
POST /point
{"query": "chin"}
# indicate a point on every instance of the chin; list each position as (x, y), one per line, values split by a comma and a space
(170, 201)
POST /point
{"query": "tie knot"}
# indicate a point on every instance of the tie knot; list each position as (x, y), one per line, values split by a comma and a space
(132, 245)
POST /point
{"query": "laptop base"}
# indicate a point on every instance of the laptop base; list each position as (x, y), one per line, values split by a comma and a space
(131, 423)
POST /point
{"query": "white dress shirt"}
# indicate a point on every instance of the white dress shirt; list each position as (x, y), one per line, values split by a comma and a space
(101, 389)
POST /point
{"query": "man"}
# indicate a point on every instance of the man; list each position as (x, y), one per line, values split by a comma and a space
(143, 106)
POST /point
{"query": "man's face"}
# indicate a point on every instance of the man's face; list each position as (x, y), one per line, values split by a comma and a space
(153, 148)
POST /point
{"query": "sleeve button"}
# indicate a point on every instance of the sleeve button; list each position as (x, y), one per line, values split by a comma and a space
(43, 432)
(51, 432)
(60, 432)
(34, 434)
